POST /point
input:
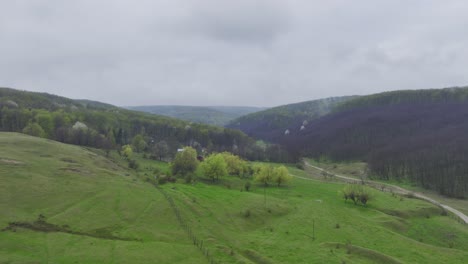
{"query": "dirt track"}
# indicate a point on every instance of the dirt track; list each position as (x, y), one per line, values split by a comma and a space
(394, 188)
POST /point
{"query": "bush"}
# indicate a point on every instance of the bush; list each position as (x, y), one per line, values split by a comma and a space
(133, 164)
(300, 165)
(247, 186)
(356, 193)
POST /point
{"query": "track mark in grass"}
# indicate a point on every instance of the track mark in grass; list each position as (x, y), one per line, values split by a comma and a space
(11, 161)
(255, 257)
(363, 252)
(41, 225)
(84, 201)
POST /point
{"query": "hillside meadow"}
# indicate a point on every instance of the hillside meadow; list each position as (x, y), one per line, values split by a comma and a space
(68, 204)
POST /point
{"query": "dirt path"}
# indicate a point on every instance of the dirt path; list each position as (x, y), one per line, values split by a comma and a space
(394, 188)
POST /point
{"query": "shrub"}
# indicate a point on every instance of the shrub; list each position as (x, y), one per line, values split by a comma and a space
(247, 186)
(356, 193)
(133, 164)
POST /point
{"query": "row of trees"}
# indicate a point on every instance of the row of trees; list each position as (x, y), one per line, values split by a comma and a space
(222, 164)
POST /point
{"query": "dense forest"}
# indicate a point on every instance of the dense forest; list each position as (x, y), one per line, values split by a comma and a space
(100, 125)
(405, 135)
(271, 124)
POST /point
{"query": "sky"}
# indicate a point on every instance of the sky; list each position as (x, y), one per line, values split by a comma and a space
(230, 52)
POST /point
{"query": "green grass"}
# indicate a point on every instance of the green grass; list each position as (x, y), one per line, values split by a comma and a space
(95, 195)
(358, 170)
(75, 187)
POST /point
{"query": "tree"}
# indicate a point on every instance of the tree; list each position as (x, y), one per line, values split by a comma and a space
(34, 129)
(139, 143)
(264, 175)
(281, 175)
(185, 162)
(214, 166)
(160, 149)
(127, 151)
(235, 165)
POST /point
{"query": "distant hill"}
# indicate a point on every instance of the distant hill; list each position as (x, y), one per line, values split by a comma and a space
(212, 115)
(417, 135)
(100, 125)
(272, 123)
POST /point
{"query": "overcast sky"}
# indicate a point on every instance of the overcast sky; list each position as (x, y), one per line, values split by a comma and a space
(236, 52)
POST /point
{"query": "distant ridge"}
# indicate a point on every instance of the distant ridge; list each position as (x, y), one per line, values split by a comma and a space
(273, 122)
(212, 115)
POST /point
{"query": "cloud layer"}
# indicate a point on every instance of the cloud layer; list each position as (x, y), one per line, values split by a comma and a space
(245, 52)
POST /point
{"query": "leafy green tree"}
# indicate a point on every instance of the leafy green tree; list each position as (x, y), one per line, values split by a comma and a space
(281, 175)
(185, 162)
(264, 175)
(214, 166)
(235, 165)
(44, 119)
(127, 151)
(34, 129)
(139, 143)
(160, 150)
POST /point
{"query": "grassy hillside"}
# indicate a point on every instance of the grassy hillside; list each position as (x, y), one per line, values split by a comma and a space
(106, 213)
(212, 115)
(270, 124)
(122, 219)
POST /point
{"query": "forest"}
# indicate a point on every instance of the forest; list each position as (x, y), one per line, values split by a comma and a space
(270, 124)
(100, 125)
(417, 136)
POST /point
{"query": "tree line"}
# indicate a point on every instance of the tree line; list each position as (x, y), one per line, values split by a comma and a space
(100, 125)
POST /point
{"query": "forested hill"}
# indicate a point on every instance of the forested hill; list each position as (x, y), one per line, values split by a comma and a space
(272, 123)
(89, 123)
(212, 115)
(405, 135)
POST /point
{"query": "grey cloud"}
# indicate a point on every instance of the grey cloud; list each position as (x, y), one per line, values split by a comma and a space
(239, 21)
(208, 52)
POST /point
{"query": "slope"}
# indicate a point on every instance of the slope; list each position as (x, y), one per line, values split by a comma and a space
(95, 210)
(95, 124)
(404, 135)
(272, 123)
(105, 213)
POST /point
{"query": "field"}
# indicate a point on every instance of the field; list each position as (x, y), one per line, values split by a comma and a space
(95, 210)
(358, 170)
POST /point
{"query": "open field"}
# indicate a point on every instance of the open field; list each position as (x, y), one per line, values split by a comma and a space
(358, 170)
(106, 213)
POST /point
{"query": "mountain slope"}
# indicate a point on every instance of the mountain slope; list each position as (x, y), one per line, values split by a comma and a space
(404, 135)
(89, 123)
(272, 123)
(213, 115)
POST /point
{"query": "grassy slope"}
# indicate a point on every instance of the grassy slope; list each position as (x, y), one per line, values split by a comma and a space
(408, 230)
(75, 187)
(358, 170)
(93, 194)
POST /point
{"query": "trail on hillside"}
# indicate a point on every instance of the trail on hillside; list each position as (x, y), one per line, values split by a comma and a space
(390, 187)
